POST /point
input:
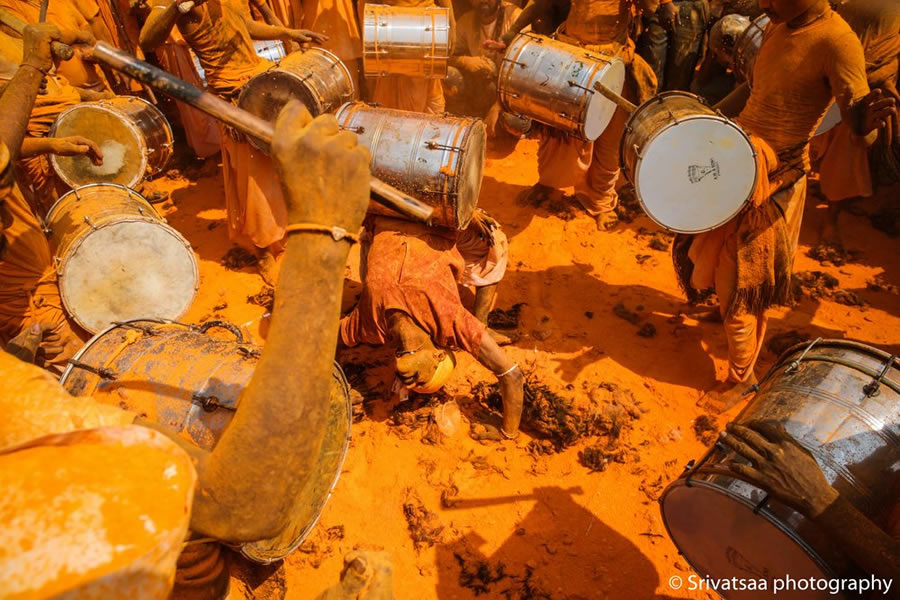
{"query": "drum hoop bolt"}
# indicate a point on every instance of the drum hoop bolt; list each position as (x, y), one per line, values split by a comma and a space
(873, 388)
(795, 364)
(573, 83)
(101, 372)
(436, 146)
(209, 403)
(515, 62)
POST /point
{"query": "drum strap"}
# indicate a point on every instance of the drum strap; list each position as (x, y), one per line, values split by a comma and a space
(337, 233)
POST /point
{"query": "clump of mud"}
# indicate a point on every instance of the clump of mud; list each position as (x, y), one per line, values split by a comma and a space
(817, 285)
(628, 209)
(238, 258)
(832, 254)
(878, 284)
(505, 319)
(265, 297)
(622, 312)
(425, 528)
(483, 577)
(706, 429)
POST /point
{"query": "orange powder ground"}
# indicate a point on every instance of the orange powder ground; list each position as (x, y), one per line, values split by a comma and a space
(546, 527)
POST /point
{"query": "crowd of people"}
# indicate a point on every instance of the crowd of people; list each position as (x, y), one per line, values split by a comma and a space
(812, 54)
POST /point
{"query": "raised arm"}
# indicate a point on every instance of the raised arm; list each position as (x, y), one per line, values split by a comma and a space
(264, 31)
(248, 483)
(732, 104)
(529, 14)
(163, 16)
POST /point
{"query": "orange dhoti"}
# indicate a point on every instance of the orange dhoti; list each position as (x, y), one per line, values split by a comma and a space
(409, 93)
(257, 213)
(843, 159)
(715, 265)
(199, 128)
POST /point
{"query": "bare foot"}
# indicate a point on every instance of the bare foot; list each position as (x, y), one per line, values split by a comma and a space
(726, 394)
(268, 267)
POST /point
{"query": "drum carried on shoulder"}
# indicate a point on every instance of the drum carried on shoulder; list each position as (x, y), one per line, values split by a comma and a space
(552, 83)
(315, 77)
(134, 136)
(692, 169)
(440, 160)
(141, 366)
(117, 259)
(841, 401)
(406, 40)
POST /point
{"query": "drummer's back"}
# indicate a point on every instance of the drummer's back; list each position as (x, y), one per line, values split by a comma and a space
(599, 21)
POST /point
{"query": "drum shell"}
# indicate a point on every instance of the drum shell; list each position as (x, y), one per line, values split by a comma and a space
(151, 377)
(90, 209)
(439, 160)
(825, 397)
(657, 116)
(145, 153)
(406, 40)
(546, 80)
(316, 77)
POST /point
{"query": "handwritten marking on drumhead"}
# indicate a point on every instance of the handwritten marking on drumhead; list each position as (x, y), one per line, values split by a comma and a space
(697, 173)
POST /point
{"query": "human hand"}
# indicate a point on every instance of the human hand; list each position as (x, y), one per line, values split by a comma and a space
(305, 36)
(878, 108)
(779, 465)
(495, 45)
(324, 171)
(668, 15)
(36, 45)
(25, 345)
(76, 145)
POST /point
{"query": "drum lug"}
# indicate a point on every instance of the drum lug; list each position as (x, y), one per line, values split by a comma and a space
(575, 84)
(761, 504)
(436, 146)
(795, 364)
(90, 223)
(873, 388)
(57, 265)
(101, 372)
(209, 403)
(515, 62)
(357, 130)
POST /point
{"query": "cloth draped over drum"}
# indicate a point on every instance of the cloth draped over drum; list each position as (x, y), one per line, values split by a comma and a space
(29, 290)
(839, 400)
(413, 269)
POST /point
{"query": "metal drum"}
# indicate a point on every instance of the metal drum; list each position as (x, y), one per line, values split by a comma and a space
(692, 169)
(406, 40)
(437, 159)
(316, 77)
(117, 259)
(270, 50)
(552, 82)
(134, 136)
(747, 49)
(189, 381)
(841, 401)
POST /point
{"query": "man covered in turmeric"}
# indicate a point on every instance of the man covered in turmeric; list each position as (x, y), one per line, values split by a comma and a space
(809, 55)
(221, 34)
(97, 503)
(410, 297)
(844, 167)
(416, 94)
(593, 168)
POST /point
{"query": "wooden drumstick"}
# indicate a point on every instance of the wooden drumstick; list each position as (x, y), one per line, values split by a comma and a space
(241, 120)
(615, 98)
(60, 50)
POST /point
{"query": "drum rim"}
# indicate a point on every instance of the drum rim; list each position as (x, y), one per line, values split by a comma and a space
(345, 450)
(860, 346)
(765, 514)
(469, 131)
(638, 159)
(739, 45)
(595, 76)
(135, 130)
(131, 191)
(78, 241)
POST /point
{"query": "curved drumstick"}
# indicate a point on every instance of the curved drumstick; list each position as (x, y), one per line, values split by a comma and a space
(241, 120)
(615, 98)
(60, 50)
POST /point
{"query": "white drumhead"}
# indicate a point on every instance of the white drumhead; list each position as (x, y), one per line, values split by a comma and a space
(128, 270)
(695, 174)
(830, 120)
(600, 110)
(721, 537)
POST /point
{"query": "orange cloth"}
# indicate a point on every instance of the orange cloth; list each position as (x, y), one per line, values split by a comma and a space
(599, 21)
(29, 292)
(336, 19)
(257, 213)
(485, 251)
(844, 157)
(408, 93)
(797, 72)
(413, 269)
(85, 513)
(63, 14)
(200, 129)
